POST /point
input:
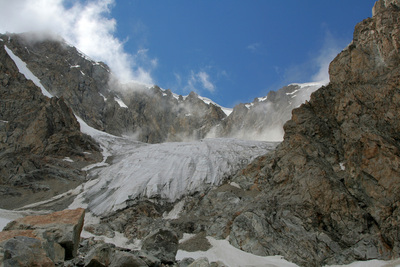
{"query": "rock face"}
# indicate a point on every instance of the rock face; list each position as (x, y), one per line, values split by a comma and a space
(37, 133)
(330, 191)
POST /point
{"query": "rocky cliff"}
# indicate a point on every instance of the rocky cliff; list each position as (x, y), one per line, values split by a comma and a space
(41, 148)
(330, 191)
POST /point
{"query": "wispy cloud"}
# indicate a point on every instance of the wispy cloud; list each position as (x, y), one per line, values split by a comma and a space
(316, 69)
(330, 49)
(204, 79)
(86, 25)
(199, 81)
(253, 47)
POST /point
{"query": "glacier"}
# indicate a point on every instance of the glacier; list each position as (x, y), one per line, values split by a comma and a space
(168, 171)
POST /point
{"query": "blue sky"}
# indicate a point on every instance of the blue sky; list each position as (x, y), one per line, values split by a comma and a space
(230, 51)
(245, 48)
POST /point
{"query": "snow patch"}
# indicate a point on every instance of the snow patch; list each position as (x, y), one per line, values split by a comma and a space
(262, 99)
(105, 98)
(222, 251)
(76, 66)
(174, 213)
(342, 167)
(235, 185)
(26, 72)
(120, 102)
(68, 159)
(311, 84)
(292, 93)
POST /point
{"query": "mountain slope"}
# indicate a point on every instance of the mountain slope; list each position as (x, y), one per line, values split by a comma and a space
(151, 114)
(42, 149)
(148, 113)
(263, 119)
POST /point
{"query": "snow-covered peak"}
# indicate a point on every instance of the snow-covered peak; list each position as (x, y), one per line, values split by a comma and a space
(311, 84)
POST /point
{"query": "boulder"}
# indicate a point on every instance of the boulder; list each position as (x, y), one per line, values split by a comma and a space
(200, 262)
(22, 251)
(163, 244)
(126, 259)
(62, 227)
(100, 255)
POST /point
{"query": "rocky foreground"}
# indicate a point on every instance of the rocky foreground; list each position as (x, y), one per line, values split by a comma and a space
(54, 240)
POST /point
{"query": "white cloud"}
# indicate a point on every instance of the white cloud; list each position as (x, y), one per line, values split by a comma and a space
(198, 81)
(204, 79)
(253, 47)
(87, 26)
(328, 52)
(316, 69)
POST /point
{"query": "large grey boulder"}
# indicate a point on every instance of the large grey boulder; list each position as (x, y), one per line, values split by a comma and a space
(62, 227)
(163, 244)
(22, 251)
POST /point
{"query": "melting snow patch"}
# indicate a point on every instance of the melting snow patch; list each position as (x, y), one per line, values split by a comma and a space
(68, 159)
(292, 93)
(235, 185)
(249, 105)
(83, 73)
(105, 98)
(342, 167)
(222, 251)
(120, 102)
(1, 40)
(261, 99)
(26, 72)
(76, 66)
(174, 213)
